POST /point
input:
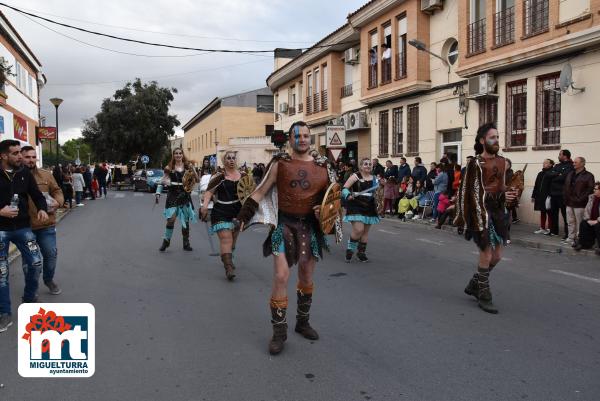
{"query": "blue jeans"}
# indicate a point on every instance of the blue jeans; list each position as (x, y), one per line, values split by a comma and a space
(436, 200)
(46, 239)
(25, 241)
(78, 196)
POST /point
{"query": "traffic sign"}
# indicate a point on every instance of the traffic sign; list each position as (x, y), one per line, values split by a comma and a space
(336, 136)
(145, 159)
(77, 162)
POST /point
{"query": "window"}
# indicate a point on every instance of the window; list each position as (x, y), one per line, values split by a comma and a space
(30, 86)
(300, 94)
(309, 93)
(488, 110)
(401, 56)
(18, 73)
(383, 132)
(537, 13)
(413, 129)
(397, 134)
(264, 103)
(347, 89)
(504, 23)
(516, 114)
(317, 86)
(452, 55)
(277, 107)
(292, 100)
(476, 28)
(386, 57)
(269, 130)
(548, 110)
(324, 98)
(373, 59)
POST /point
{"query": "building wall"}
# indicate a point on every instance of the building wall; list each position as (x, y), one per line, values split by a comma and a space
(195, 142)
(284, 121)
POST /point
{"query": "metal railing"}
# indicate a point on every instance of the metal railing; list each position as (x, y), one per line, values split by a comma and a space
(300, 108)
(309, 108)
(476, 37)
(386, 71)
(401, 65)
(504, 27)
(536, 16)
(347, 91)
(316, 107)
(324, 98)
(373, 76)
(291, 111)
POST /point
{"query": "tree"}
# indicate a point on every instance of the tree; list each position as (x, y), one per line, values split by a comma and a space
(134, 121)
(68, 151)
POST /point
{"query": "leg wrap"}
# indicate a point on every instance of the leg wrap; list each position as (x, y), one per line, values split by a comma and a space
(169, 231)
(304, 302)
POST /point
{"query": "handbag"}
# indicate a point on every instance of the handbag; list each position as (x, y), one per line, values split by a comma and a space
(548, 203)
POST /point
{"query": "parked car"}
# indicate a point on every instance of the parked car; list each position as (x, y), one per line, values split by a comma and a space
(147, 180)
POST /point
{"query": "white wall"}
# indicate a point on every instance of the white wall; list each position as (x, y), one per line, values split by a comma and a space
(8, 124)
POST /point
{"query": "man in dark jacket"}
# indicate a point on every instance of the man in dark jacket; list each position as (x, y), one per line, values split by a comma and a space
(378, 169)
(579, 184)
(431, 176)
(403, 170)
(419, 172)
(87, 177)
(559, 175)
(16, 186)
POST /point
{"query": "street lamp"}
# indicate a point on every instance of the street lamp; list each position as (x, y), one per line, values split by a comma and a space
(56, 102)
(422, 47)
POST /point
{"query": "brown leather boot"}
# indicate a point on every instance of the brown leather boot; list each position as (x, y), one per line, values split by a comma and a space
(472, 288)
(227, 259)
(279, 322)
(484, 294)
(302, 316)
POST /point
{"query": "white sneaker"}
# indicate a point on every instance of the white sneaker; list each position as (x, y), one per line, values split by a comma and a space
(546, 232)
(80, 204)
(417, 217)
(540, 231)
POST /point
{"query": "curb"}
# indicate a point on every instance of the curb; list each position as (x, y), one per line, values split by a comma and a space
(525, 243)
(13, 252)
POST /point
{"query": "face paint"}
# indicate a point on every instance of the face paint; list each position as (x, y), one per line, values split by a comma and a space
(492, 141)
(297, 136)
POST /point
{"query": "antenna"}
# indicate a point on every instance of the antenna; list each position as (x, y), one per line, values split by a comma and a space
(566, 79)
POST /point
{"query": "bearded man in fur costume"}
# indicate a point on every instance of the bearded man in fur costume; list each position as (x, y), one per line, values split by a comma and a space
(481, 210)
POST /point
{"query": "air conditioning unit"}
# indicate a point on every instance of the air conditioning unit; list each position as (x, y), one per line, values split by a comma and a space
(351, 56)
(429, 6)
(283, 108)
(482, 85)
(356, 120)
(341, 120)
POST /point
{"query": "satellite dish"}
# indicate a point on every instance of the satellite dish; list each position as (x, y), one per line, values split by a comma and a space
(566, 79)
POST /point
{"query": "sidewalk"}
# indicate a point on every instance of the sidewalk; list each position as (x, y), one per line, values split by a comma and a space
(521, 235)
(13, 252)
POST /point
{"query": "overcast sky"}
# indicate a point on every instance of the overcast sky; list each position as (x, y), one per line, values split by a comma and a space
(83, 75)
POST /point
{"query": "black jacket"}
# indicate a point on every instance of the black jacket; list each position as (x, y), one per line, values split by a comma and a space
(403, 171)
(391, 172)
(541, 189)
(378, 170)
(430, 178)
(559, 175)
(24, 185)
(419, 173)
(87, 177)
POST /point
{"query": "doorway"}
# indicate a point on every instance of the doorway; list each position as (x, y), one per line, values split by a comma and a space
(452, 145)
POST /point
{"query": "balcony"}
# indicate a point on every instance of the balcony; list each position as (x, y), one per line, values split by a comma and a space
(372, 76)
(536, 16)
(291, 110)
(309, 108)
(476, 37)
(300, 108)
(316, 99)
(386, 71)
(504, 27)
(324, 104)
(347, 91)
(401, 65)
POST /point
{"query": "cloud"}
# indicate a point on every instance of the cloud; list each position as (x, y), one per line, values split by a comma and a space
(83, 76)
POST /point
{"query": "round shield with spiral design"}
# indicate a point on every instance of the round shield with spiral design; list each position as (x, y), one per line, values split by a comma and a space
(245, 187)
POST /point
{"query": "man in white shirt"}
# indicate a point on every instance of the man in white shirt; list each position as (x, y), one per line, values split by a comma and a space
(387, 52)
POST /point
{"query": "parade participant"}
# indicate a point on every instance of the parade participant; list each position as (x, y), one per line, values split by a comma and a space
(290, 196)
(223, 189)
(361, 210)
(180, 178)
(481, 210)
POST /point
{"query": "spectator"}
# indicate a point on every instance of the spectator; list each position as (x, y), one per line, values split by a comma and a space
(403, 170)
(378, 169)
(257, 173)
(341, 171)
(512, 209)
(17, 184)
(419, 172)
(559, 174)
(440, 185)
(446, 207)
(78, 185)
(431, 176)
(387, 52)
(462, 171)
(100, 173)
(456, 181)
(402, 187)
(579, 184)
(87, 178)
(406, 202)
(391, 187)
(350, 169)
(44, 231)
(68, 187)
(540, 196)
(418, 199)
(589, 229)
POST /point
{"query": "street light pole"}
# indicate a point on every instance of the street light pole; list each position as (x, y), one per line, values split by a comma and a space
(56, 102)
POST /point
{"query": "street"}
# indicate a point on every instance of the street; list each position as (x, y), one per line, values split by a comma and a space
(171, 327)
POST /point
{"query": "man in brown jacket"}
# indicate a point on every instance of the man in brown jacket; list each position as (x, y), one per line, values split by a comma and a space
(45, 231)
(579, 184)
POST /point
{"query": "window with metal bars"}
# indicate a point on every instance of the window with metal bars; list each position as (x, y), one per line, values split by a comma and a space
(548, 110)
(397, 133)
(516, 114)
(488, 111)
(536, 16)
(412, 147)
(384, 126)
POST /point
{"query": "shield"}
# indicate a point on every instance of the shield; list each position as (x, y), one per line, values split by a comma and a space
(331, 208)
(379, 199)
(245, 187)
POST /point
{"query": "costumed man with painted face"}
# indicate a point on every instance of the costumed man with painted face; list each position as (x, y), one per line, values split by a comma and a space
(481, 210)
(361, 210)
(180, 177)
(223, 189)
(289, 199)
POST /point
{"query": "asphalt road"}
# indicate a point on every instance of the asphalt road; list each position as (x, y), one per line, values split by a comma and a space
(170, 327)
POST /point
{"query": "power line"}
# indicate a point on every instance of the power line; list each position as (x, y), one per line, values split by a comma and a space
(165, 33)
(153, 43)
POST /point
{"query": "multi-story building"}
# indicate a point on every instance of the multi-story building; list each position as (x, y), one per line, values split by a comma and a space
(418, 77)
(176, 143)
(19, 93)
(212, 130)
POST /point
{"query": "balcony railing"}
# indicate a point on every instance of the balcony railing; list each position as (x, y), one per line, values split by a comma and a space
(316, 107)
(347, 91)
(537, 13)
(373, 76)
(476, 37)
(291, 111)
(401, 65)
(324, 105)
(504, 27)
(300, 108)
(309, 108)
(386, 71)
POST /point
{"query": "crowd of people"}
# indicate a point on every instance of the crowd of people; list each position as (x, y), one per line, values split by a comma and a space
(83, 182)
